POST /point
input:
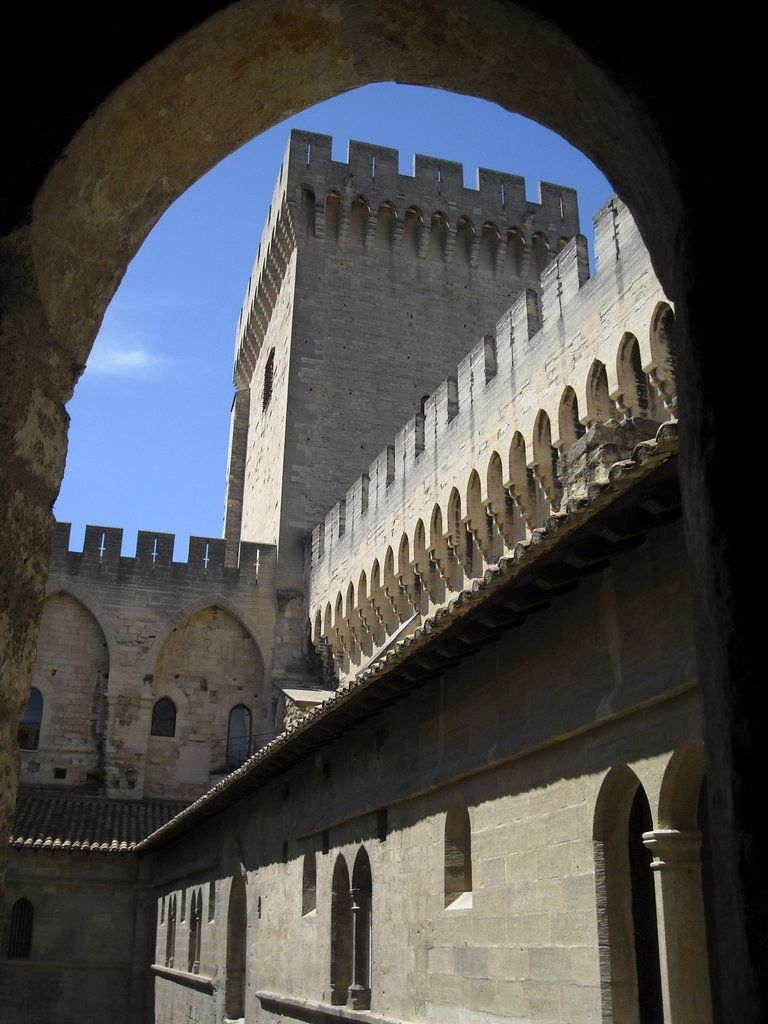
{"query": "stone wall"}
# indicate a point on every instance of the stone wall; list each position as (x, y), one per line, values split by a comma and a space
(358, 262)
(525, 733)
(119, 633)
(89, 940)
(571, 380)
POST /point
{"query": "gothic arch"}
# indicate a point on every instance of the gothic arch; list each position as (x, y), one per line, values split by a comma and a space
(237, 947)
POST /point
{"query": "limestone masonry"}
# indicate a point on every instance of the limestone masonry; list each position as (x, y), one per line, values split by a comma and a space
(418, 740)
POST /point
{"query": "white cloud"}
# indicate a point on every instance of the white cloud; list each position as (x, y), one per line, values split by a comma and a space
(128, 354)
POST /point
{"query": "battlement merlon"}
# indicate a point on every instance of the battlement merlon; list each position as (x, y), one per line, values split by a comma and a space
(102, 547)
(527, 338)
(372, 173)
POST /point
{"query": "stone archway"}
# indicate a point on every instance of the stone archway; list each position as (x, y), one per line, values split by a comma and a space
(244, 69)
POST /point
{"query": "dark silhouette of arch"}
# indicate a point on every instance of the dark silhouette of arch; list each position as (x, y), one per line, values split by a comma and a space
(362, 894)
(599, 405)
(237, 934)
(358, 221)
(627, 929)
(170, 934)
(341, 933)
(385, 226)
(457, 852)
(412, 231)
(31, 721)
(164, 718)
(632, 380)
(465, 238)
(438, 236)
(18, 930)
(569, 425)
(195, 929)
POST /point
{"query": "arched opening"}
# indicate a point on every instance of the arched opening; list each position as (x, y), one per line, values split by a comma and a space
(515, 252)
(569, 425)
(680, 847)
(626, 902)
(545, 460)
(599, 405)
(457, 856)
(31, 721)
(540, 253)
(362, 894)
(170, 933)
(385, 226)
(309, 880)
(208, 650)
(412, 232)
(632, 379)
(664, 354)
(308, 208)
(489, 248)
(438, 236)
(163, 718)
(358, 222)
(195, 930)
(465, 239)
(238, 736)
(17, 944)
(237, 947)
(332, 216)
(341, 933)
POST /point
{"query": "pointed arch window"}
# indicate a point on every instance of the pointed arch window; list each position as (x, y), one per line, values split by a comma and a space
(164, 718)
(237, 926)
(238, 736)
(31, 720)
(170, 935)
(309, 881)
(195, 922)
(18, 931)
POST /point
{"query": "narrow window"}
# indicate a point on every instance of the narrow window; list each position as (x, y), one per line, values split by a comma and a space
(211, 901)
(269, 378)
(332, 216)
(238, 736)
(237, 925)
(29, 726)
(458, 855)
(170, 935)
(308, 206)
(341, 933)
(18, 931)
(164, 718)
(362, 890)
(644, 912)
(309, 881)
(193, 950)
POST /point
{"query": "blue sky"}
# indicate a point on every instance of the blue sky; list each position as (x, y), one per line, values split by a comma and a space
(150, 415)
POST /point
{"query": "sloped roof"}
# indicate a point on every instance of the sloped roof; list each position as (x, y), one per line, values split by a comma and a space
(70, 822)
(407, 662)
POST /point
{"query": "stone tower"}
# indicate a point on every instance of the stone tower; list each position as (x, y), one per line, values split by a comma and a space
(368, 287)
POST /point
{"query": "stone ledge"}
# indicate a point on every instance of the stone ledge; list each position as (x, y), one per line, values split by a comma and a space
(324, 1011)
(199, 981)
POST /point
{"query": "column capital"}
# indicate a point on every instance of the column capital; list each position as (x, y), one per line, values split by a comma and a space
(673, 848)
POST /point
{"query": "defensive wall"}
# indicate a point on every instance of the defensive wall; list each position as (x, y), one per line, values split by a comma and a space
(370, 203)
(571, 381)
(119, 633)
(368, 287)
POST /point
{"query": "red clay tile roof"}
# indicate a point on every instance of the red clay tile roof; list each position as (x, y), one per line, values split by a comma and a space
(79, 822)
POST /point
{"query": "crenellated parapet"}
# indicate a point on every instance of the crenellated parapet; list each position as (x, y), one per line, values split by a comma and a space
(101, 556)
(366, 205)
(573, 379)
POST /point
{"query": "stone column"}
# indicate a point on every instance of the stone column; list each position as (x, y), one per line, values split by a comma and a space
(682, 931)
